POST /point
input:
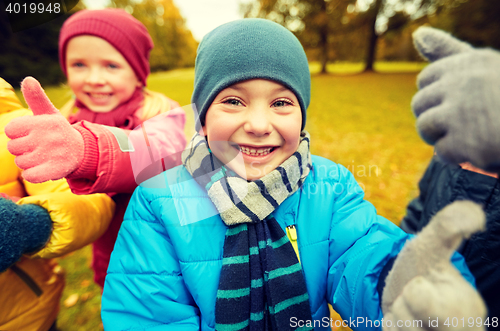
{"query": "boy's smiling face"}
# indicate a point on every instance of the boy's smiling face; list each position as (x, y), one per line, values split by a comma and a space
(98, 73)
(258, 117)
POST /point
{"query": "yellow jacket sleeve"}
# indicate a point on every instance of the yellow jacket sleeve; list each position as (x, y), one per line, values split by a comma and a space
(77, 220)
(8, 98)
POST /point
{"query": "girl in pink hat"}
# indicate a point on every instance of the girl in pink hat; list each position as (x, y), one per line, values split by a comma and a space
(105, 56)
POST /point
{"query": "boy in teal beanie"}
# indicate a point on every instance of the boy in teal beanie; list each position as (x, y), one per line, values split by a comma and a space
(273, 55)
(215, 249)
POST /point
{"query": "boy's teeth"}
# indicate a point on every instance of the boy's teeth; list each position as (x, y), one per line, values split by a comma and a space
(255, 152)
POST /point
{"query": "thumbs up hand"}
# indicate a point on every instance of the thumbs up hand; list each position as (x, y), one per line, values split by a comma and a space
(45, 145)
(423, 285)
(458, 105)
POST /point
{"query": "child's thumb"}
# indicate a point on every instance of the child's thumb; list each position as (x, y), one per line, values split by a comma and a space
(36, 98)
(432, 248)
(434, 44)
(449, 227)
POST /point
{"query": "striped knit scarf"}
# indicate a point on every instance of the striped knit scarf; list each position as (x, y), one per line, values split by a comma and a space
(261, 284)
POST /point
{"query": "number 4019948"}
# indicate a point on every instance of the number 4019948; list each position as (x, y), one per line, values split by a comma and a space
(471, 321)
(33, 8)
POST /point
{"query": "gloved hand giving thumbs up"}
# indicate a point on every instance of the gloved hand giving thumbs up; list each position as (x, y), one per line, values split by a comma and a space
(458, 105)
(423, 285)
(46, 145)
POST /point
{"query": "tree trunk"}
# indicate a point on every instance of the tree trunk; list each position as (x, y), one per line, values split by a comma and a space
(324, 49)
(323, 37)
(372, 36)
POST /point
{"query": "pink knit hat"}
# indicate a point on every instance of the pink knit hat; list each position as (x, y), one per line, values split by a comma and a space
(129, 36)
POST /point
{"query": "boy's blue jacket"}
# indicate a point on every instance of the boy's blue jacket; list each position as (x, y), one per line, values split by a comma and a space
(164, 270)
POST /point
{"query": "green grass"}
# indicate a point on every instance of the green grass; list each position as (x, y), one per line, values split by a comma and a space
(362, 121)
(85, 314)
(340, 68)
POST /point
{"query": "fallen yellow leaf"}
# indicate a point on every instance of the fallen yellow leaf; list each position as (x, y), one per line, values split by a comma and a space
(71, 300)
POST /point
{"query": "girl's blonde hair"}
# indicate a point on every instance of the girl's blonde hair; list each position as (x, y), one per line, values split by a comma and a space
(154, 103)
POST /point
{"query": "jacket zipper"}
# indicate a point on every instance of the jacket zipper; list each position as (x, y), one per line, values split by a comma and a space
(27, 280)
(291, 233)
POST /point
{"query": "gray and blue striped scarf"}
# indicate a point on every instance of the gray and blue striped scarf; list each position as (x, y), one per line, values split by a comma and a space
(261, 283)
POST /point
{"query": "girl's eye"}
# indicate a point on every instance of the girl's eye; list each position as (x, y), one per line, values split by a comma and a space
(112, 66)
(232, 102)
(281, 103)
(77, 65)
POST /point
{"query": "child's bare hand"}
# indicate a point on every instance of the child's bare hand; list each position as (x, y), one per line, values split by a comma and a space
(45, 145)
(423, 285)
(458, 105)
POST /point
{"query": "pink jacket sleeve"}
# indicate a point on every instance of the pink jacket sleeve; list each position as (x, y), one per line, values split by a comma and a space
(118, 160)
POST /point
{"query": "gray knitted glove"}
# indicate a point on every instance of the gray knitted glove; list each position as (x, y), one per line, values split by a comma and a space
(423, 285)
(458, 105)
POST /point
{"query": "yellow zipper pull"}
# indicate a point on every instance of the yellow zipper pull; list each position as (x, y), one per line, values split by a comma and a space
(291, 233)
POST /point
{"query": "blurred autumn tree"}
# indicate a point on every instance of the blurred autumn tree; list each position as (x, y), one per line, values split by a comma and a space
(315, 22)
(340, 29)
(31, 52)
(34, 52)
(475, 21)
(175, 46)
(351, 29)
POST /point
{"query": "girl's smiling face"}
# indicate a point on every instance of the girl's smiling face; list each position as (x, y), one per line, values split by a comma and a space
(98, 74)
(259, 118)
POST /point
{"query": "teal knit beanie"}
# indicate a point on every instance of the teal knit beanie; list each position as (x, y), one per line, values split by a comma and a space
(247, 49)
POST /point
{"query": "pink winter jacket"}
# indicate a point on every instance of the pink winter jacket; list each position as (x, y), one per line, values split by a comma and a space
(116, 161)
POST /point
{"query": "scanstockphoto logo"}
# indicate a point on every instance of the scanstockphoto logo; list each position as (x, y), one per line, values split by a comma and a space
(361, 322)
(26, 14)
